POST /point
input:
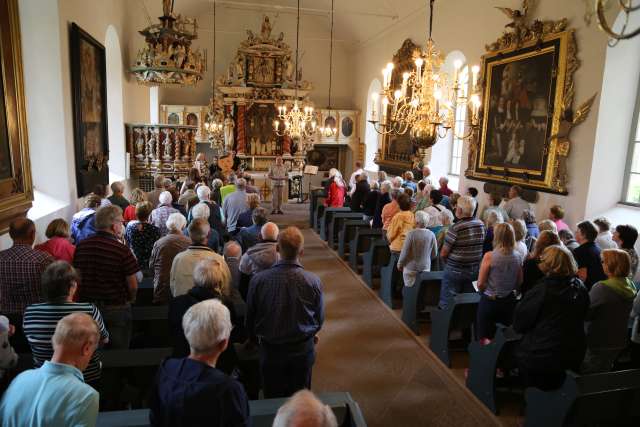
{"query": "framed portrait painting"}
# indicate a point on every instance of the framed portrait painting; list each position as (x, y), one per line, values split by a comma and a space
(88, 83)
(16, 193)
(524, 90)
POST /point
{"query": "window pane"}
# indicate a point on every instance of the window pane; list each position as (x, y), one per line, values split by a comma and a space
(635, 162)
(633, 193)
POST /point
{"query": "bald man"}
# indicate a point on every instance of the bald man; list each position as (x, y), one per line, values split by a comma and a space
(261, 255)
(55, 394)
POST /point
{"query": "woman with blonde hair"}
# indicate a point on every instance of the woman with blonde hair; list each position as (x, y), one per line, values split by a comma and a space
(137, 196)
(500, 274)
(244, 219)
(520, 231)
(532, 274)
(551, 319)
(58, 246)
(608, 316)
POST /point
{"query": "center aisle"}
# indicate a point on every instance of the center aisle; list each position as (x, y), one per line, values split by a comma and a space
(366, 350)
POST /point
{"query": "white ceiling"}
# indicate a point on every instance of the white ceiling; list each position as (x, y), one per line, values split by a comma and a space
(356, 21)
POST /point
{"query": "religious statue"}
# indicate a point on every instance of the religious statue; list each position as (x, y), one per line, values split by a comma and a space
(151, 144)
(139, 144)
(280, 41)
(288, 70)
(265, 31)
(239, 67)
(228, 133)
(167, 144)
(179, 55)
(251, 37)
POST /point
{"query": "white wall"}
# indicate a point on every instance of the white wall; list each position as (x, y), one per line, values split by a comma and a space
(371, 137)
(467, 25)
(115, 105)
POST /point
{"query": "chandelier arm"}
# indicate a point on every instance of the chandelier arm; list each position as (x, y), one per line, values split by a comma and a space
(602, 21)
(431, 2)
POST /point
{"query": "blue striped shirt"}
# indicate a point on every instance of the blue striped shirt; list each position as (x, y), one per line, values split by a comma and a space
(464, 242)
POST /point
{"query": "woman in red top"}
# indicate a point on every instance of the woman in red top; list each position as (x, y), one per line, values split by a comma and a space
(337, 190)
(58, 246)
(137, 196)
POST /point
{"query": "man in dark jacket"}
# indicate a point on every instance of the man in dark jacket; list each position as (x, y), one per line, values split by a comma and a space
(360, 194)
(192, 390)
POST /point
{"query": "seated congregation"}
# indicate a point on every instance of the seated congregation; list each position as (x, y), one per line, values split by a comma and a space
(197, 275)
(568, 297)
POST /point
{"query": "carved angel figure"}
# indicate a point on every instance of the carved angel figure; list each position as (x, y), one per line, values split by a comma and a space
(568, 122)
(518, 19)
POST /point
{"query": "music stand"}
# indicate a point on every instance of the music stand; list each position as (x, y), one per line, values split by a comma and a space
(311, 171)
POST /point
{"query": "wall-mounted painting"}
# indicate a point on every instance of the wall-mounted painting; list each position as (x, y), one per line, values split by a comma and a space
(527, 107)
(89, 86)
(324, 157)
(16, 192)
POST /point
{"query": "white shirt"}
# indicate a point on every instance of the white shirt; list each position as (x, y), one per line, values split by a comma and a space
(605, 241)
(515, 207)
(352, 180)
(521, 249)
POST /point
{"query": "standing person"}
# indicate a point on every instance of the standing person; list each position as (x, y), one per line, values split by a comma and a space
(444, 186)
(154, 195)
(200, 164)
(216, 196)
(137, 196)
(418, 250)
(249, 236)
(531, 273)
(494, 205)
(608, 315)
(305, 409)
(625, 236)
(141, 235)
(216, 218)
(605, 238)
(278, 176)
(551, 319)
(230, 186)
(371, 201)
(516, 206)
(360, 194)
(352, 179)
(409, 182)
(234, 205)
(58, 245)
(159, 215)
(117, 197)
(263, 254)
(192, 390)
(162, 255)
(244, 219)
(108, 270)
(189, 193)
(390, 209)
(382, 177)
(568, 239)
(383, 200)
(426, 173)
(59, 285)
(336, 191)
(587, 255)
(400, 224)
(82, 222)
(55, 394)
(285, 311)
(461, 252)
(500, 274)
(556, 214)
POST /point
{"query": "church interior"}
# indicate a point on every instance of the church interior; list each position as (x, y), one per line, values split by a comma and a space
(320, 212)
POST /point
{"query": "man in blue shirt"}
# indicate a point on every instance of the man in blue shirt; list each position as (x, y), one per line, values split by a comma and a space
(285, 311)
(55, 394)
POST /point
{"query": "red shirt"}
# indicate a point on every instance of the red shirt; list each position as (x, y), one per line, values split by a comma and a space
(58, 247)
(129, 213)
(335, 198)
(446, 191)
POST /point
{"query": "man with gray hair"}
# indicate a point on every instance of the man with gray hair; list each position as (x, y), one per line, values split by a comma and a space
(262, 255)
(461, 252)
(164, 251)
(160, 215)
(117, 198)
(235, 204)
(216, 217)
(304, 409)
(181, 277)
(154, 195)
(249, 236)
(55, 394)
(108, 270)
(418, 249)
(285, 311)
(201, 210)
(191, 390)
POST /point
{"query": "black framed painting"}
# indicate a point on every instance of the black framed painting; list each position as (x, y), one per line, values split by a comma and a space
(16, 192)
(89, 94)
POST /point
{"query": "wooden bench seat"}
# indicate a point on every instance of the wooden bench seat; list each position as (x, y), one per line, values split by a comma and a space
(335, 225)
(459, 315)
(360, 244)
(426, 287)
(347, 232)
(377, 256)
(326, 219)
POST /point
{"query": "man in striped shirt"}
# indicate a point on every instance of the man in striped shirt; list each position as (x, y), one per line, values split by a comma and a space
(461, 252)
(59, 284)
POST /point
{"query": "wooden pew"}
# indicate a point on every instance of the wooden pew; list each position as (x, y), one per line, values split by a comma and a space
(134, 358)
(389, 277)
(314, 200)
(360, 244)
(150, 326)
(335, 225)
(263, 412)
(483, 363)
(377, 255)
(317, 217)
(348, 232)
(606, 399)
(460, 314)
(326, 219)
(427, 286)
(144, 296)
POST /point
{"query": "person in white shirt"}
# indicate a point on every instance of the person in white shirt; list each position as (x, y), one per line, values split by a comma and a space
(605, 237)
(352, 180)
(426, 172)
(516, 206)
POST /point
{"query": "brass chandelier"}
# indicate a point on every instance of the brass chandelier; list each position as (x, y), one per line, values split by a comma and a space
(214, 123)
(425, 103)
(298, 123)
(326, 130)
(167, 57)
(625, 6)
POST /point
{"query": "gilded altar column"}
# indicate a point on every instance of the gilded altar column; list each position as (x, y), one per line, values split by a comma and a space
(240, 145)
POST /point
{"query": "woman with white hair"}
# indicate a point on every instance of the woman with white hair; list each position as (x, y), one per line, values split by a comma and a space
(216, 216)
(336, 191)
(162, 255)
(216, 184)
(208, 283)
(383, 200)
(446, 219)
(492, 219)
(160, 214)
(193, 390)
(418, 250)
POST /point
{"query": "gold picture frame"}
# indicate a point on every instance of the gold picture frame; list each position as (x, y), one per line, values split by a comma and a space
(527, 115)
(16, 192)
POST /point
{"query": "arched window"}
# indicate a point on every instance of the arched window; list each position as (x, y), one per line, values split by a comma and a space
(371, 137)
(117, 151)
